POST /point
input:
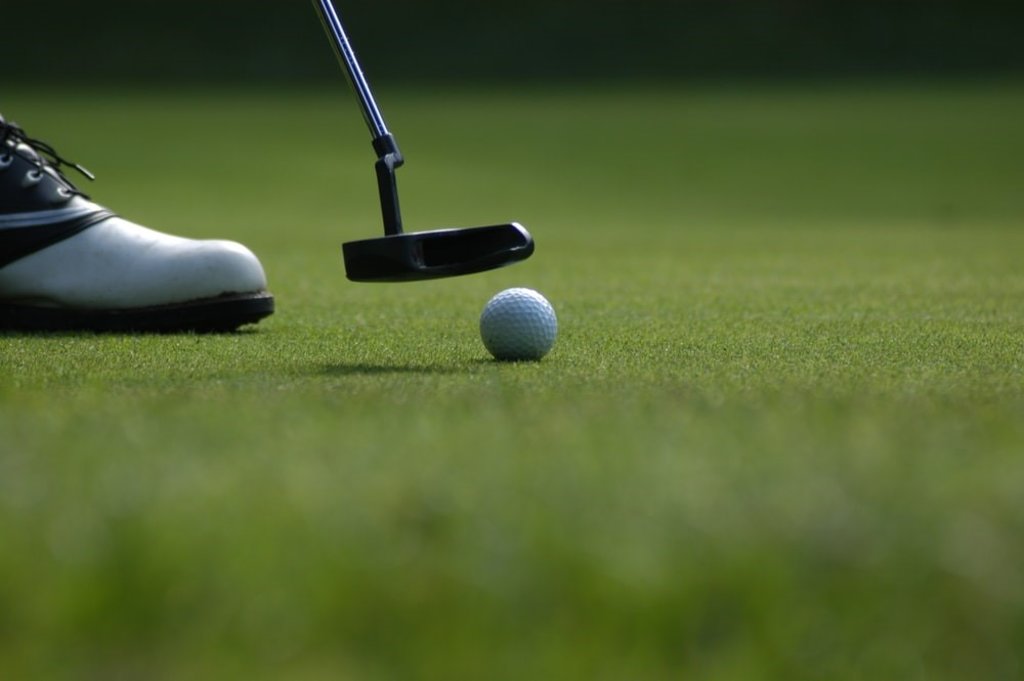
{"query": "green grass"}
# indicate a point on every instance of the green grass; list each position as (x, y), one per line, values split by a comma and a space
(781, 434)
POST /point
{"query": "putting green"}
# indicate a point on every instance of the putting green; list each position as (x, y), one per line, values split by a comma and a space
(779, 435)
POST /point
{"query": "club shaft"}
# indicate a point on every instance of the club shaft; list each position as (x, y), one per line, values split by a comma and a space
(350, 65)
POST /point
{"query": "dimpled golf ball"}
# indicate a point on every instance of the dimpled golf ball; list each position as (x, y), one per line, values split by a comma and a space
(518, 324)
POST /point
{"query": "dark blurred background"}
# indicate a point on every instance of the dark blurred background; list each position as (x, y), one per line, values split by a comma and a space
(277, 41)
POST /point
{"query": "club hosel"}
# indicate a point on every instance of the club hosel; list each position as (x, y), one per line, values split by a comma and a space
(387, 149)
(387, 188)
(388, 159)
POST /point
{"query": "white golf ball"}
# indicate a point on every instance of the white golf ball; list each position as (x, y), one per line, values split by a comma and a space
(518, 323)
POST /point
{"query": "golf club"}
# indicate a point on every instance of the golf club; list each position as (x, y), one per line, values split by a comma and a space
(399, 256)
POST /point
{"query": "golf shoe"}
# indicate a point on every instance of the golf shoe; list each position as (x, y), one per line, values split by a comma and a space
(67, 263)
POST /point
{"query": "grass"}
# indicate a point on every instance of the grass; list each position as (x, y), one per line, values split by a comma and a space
(780, 435)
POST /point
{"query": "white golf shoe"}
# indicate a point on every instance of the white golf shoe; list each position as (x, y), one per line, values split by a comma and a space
(67, 263)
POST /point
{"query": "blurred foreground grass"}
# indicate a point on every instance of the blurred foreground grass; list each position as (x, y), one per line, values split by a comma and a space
(780, 436)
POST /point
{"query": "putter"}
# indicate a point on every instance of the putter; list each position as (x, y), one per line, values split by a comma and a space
(412, 256)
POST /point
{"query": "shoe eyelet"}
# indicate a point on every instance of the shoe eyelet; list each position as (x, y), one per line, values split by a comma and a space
(6, 160)
(32, 178)
(60, 196)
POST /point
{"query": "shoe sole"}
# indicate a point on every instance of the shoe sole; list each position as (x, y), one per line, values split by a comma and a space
(212, 315)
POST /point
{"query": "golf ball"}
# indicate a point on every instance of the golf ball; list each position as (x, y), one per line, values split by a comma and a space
(517, 324)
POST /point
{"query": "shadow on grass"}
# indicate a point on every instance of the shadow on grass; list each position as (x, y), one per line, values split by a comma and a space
(363, 369)
(368, 369)
(64, 334)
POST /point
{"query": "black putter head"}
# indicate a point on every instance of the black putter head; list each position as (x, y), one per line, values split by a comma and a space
(438, 253)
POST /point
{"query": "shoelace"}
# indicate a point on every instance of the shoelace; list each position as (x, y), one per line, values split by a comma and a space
(46, 154)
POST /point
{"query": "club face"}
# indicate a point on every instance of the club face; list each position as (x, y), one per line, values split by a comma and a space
(415, 256)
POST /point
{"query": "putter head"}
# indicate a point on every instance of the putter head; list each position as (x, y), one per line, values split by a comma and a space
(439, 253)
